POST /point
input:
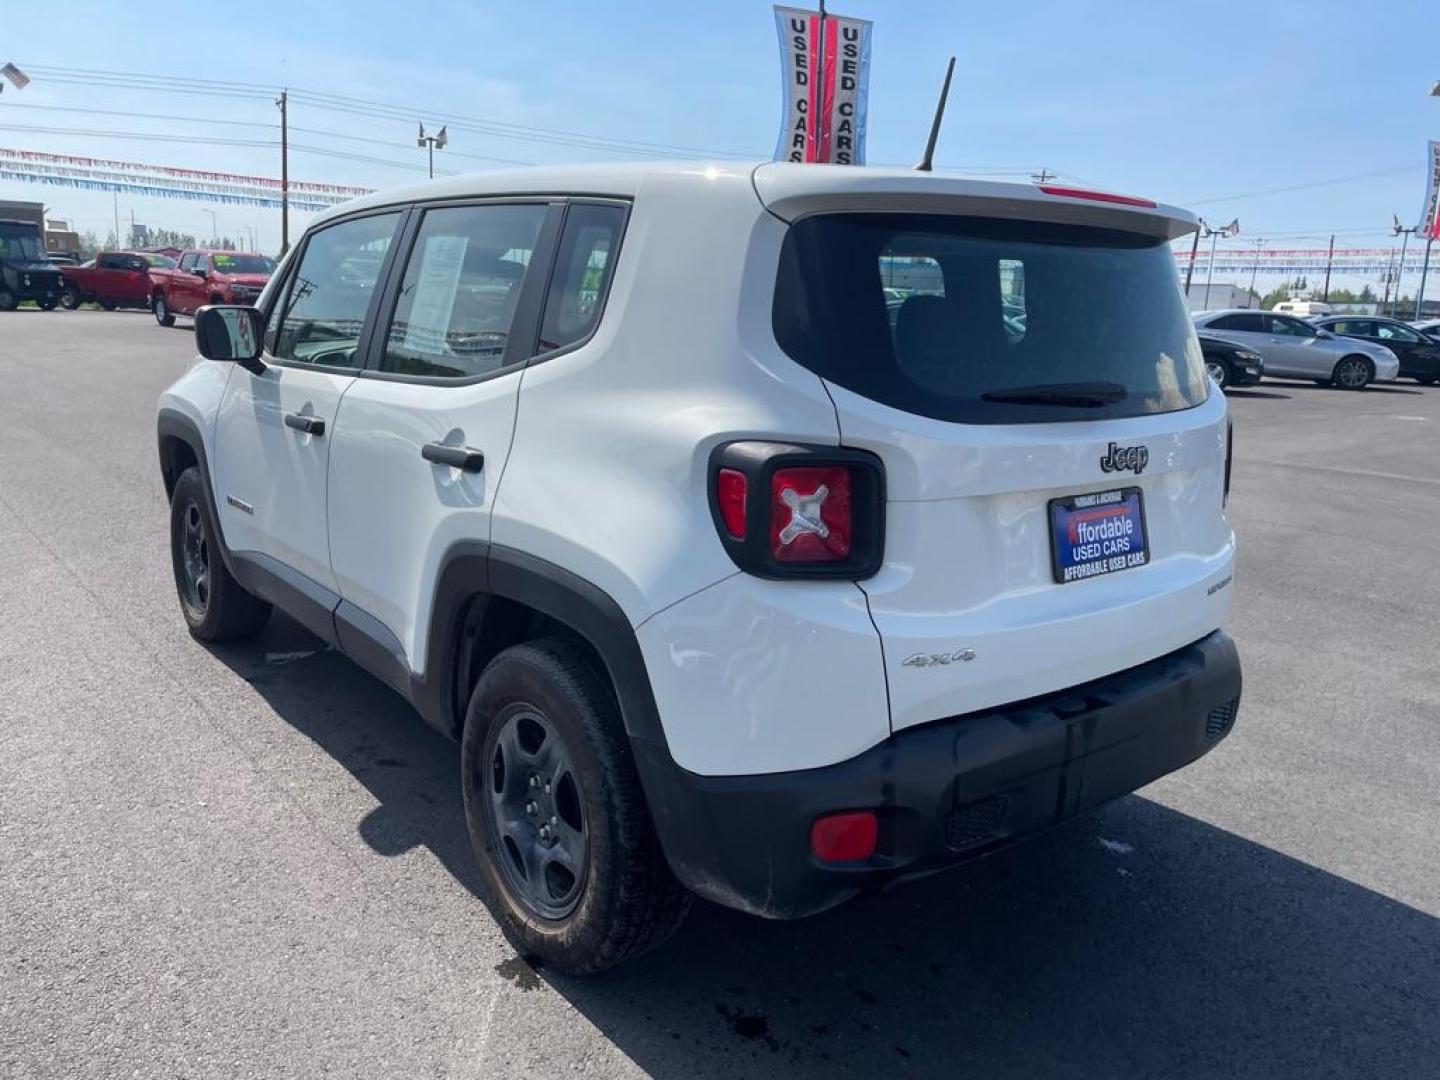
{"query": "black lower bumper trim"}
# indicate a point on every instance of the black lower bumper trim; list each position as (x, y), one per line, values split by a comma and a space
(944, 792)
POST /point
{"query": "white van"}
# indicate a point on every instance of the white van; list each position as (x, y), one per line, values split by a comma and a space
(1304, 309)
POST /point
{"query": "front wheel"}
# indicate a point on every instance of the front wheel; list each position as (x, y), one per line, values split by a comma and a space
(7, 300)
(1353, 373)
(216, 606)
(570, 864)
(162, 311)
(1219, 370)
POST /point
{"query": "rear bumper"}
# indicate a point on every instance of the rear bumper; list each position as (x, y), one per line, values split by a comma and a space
(944, 792)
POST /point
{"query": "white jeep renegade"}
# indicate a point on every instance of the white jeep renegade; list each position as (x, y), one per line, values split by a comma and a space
(769, 533)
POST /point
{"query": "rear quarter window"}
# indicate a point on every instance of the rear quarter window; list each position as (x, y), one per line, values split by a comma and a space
(937, 314)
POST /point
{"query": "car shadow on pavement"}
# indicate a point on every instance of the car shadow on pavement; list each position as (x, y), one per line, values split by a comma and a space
(1373, 388)
(1137, 941)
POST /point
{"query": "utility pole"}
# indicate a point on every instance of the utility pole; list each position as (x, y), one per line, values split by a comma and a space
(1255, 267)
(1194, 250)
(283, 102)
(1424, 273)
(1329, 258)
(1400, 230)
(115, 202)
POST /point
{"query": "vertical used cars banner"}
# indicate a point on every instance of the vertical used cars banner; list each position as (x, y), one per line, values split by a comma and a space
(825, 89)
(1430, 217)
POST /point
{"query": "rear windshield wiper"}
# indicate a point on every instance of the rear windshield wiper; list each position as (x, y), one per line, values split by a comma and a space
(1078, 395)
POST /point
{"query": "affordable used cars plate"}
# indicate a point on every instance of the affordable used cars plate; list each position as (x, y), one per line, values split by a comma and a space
(1097, 534)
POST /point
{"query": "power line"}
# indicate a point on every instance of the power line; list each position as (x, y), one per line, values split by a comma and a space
(1300, 187)
(365, 107)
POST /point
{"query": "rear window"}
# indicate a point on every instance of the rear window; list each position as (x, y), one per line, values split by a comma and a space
(945, 316)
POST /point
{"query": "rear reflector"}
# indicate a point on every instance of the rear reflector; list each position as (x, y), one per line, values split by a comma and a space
(844, 837)
(1097, 196)
(810, 514)
(730, 487)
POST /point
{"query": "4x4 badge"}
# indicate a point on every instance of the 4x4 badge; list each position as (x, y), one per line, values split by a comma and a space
(1122, 458)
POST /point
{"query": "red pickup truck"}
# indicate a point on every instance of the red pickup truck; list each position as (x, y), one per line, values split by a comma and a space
(112, 279)
(207, 277)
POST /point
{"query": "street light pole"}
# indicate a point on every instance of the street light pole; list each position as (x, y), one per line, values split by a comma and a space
(214, 229)
(432, 143)
(1255, 267)
(283, 103)
(1194, 249)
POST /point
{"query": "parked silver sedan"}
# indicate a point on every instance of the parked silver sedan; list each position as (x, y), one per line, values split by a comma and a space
(1294, 349)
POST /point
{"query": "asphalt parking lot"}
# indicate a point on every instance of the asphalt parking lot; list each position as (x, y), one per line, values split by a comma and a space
(252, 862)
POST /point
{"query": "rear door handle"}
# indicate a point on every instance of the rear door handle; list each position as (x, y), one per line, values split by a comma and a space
(310, 425)
(457, 457)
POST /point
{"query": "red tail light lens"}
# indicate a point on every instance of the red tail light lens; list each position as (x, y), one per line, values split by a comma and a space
(844, 837)
(791, 510)
(811, 514)
(730, 488)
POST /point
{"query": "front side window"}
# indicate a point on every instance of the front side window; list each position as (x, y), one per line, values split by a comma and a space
(187, 261)
(323, 310)
(582, 274)
(988, 321)
(1241, 323)
(462, 283)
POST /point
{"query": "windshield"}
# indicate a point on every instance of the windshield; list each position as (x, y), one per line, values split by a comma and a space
(19, 240)
(988, 321)
(229, 263)
(162, 262)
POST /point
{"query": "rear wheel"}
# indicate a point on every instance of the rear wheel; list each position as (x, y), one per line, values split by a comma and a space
(7, 300)
(69, 298)
(1352, 373)
(162, 311)
(1219, 370)
(216, 607)
(571, 867)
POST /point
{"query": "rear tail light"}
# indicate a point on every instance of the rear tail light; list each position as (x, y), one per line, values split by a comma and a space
(810, 514)
(784, 510)
(847, 837)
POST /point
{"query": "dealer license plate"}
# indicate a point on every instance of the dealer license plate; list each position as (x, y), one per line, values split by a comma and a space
(1097, 534)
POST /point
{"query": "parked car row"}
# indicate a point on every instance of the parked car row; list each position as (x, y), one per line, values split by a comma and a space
(126, 279)
(1338, 350)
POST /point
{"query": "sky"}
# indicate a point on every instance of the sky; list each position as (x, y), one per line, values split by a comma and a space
(1254, 116)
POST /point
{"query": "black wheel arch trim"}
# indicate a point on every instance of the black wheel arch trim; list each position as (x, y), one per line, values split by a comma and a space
(173, 424)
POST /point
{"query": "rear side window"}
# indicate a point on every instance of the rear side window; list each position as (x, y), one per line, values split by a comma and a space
(461, 286)
(582, 274)
(1245, 324)
(976, 320)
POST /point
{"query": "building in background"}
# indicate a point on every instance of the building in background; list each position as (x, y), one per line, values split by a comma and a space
(60, 237)
(1221, 296)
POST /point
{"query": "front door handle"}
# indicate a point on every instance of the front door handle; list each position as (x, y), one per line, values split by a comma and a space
(457, 457)
(310, 425)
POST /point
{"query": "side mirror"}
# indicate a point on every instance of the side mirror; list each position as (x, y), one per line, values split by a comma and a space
(231, 333)
(1324, 335)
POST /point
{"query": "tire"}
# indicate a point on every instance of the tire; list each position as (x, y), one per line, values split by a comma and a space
(1427, 380)
(46, 305)
(217, 299)
(216, 607)
(1219, 370)
(161, 310)
(1352, 373)
(7, 300)
(544, 747)
(70, 298)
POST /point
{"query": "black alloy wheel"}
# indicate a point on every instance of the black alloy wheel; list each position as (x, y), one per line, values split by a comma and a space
(535, 811)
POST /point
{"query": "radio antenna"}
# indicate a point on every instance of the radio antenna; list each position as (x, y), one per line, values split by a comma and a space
(927, 162)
